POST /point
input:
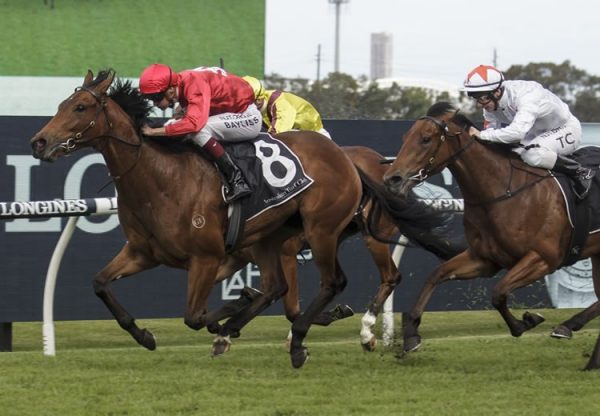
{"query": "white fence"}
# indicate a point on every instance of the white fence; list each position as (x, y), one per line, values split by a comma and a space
(73, 208)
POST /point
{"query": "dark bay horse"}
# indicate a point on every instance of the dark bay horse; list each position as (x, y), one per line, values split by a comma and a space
(515, 217)
(370, 162)
(172, 212)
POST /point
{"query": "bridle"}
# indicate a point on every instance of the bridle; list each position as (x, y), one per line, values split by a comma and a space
(445, 134)
(72, 142)
(424, 173)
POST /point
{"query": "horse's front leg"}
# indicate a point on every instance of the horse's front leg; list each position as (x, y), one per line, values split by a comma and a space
(273, 287)
(462, 267)
(390, 277)
(233, 262)
(126, 263)
(333, 281)
(527, 270)
(201, 279)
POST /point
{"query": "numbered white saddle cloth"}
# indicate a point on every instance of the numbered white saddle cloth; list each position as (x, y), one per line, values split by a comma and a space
(272, 170)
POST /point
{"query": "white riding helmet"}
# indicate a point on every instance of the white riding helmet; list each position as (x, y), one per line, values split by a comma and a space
(483, 78)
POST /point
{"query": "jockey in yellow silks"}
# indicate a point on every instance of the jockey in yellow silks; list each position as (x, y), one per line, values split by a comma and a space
(283, 111)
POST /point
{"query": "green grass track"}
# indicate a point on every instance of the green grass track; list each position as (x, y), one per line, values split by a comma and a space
(468, 365)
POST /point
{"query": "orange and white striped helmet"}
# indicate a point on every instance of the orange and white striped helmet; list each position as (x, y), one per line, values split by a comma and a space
(483, 78)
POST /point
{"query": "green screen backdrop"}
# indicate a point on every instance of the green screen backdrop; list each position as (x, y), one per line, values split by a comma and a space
(76, 35)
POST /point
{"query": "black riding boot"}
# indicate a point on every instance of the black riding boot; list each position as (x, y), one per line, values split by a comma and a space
(236, 187)
(582, 176)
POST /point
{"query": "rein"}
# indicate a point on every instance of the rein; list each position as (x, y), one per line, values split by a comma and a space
(71, 143)
(424, 173)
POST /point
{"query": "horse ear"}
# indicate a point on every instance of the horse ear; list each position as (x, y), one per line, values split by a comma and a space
(103, 86)
(88, 77)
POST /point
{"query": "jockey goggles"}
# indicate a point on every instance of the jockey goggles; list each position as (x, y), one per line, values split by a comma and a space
(482, 97)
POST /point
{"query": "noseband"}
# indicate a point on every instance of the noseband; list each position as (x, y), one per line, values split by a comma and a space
(445, 134)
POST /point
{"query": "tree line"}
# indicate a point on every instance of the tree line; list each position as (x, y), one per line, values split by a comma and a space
(340, 96)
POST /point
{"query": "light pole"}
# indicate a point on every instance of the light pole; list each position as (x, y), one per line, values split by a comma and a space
(337, 3)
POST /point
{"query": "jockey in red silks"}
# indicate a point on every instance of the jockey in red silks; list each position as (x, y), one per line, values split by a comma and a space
(526, 113)
(214, 106)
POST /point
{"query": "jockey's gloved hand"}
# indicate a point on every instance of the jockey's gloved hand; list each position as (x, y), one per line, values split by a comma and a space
(473, 132)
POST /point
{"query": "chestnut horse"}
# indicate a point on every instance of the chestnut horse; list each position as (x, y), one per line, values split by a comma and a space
(370, 162)
(515, 217)
(172, 212)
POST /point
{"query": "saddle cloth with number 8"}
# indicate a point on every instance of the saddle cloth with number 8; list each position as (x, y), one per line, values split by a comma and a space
(272, 170)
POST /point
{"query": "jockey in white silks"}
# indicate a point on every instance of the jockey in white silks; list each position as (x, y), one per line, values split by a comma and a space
(525, 113)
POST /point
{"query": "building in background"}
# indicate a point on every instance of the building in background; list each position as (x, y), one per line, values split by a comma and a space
(381, 55)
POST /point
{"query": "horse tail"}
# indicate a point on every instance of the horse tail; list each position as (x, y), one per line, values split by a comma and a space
(421, 224)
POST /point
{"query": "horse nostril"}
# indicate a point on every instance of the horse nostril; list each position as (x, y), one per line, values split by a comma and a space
(38, 144)
(392, 180)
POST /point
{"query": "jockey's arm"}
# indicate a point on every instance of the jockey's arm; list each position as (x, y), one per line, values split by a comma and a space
(197, 106)
(153, 131)
(283, 116)
(515, 131)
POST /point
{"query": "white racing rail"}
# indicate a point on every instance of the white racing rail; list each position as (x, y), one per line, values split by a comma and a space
(440, 204)
(75, 208)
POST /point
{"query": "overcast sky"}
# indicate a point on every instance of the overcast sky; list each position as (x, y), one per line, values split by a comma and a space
(433, 39)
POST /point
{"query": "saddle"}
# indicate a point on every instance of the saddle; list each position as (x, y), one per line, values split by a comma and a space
(274, 173)
(584, 216)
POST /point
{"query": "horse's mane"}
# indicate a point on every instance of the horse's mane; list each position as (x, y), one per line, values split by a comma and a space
(443, 107)
(128, 98)
(135, 106)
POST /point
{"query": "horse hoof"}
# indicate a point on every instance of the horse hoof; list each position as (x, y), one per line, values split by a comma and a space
(533, 319)
(148, 340)
(370, 345)
(213, 328)
(412, 344)
(342, 312)
(561, 332)
(220, 346)
(299, 357)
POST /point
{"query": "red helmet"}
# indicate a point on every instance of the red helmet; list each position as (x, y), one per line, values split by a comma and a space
(156, 79)
(483, 78)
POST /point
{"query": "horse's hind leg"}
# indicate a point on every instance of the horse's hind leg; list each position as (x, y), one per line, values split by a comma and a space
(576, 322)
(390, 277)
(124, 264)
(594, 363)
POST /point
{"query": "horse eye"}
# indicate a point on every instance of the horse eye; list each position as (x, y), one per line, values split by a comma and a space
(80, 108)
(426, 139)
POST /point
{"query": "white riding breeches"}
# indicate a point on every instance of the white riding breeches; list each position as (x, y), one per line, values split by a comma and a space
(230, 127)
(563, 140)
(325, 133)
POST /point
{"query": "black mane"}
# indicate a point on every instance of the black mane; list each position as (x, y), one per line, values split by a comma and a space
(461, 120)
(440, 108)
(443, 107)
(131, 101)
